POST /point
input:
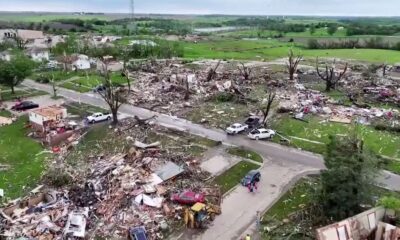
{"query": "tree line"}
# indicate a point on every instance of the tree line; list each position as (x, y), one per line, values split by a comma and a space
(372, 43)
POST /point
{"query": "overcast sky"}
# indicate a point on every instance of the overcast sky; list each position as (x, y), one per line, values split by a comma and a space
(253, 7)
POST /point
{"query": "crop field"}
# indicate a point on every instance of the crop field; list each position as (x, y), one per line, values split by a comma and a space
(274, 49)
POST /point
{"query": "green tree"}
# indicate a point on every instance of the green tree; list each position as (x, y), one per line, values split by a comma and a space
(68, 47)
(332, 29)
(347, 181)
(15, 71)
(312, 29)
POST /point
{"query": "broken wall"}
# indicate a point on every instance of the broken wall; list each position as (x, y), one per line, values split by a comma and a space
(354, 228)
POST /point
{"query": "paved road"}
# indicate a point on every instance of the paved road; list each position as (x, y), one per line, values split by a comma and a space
(284, 164)
(239, 208)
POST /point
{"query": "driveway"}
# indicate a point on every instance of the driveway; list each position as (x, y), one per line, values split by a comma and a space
(239, 207)
(43, 101)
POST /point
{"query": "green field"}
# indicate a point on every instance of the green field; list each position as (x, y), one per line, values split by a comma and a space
(255, 33)
(273, 49)
(22, 156)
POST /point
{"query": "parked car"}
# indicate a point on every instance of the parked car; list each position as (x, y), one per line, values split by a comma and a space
(24, 106)
(188, 197)
(236, 128)
(138, 233)
(261, 133)
(99, 117)
(252, 176)
(252, 122)
(99, 88)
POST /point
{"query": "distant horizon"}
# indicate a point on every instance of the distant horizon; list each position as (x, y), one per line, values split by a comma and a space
(317, 8)
(199, 14)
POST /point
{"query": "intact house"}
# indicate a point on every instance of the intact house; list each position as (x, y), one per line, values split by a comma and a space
(38, 54)
(42, 118)
(375, 223)
(81, 62)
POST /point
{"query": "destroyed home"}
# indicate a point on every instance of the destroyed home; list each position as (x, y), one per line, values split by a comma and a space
(42, 118)
(372, 224)
(38, 54)
(80, 62)
(274, 99)
(26, 35)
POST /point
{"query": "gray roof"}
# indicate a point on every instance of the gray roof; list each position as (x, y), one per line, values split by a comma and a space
(169, 170)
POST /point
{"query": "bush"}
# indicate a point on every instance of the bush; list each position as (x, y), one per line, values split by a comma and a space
(224, 97)
(42, 78)
(57, 178)
(390, 203)
(385, 127)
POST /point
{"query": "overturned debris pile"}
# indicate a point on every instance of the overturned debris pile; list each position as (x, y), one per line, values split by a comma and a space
(118, 193)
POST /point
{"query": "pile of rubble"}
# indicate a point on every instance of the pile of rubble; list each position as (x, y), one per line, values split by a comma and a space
(170, 86)
(118, 193)
(314, 102)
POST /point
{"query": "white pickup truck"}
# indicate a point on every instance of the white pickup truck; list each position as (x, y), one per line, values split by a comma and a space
(99, 117)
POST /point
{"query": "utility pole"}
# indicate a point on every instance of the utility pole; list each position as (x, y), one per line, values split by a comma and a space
(132, 10)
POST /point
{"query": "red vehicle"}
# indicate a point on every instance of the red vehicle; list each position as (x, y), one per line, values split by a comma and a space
(188, 198)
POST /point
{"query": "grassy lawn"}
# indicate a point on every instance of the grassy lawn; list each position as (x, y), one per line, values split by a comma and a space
(21, 154)
(294, 199)
(5, 113)
(232, 177)
(87, 83)
(273, 49)
(8, 96)
(380, 142)
(75, 87)
(59, 75)
(244, 153)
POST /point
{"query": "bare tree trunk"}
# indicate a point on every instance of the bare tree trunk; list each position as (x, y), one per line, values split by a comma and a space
(187, 93)
(114, 113)
(293, 63)
(12, 89)
(329, 76)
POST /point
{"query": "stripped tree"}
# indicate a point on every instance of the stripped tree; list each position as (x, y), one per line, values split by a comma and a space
(213, 71)
(112, 94)
(187, 88)
(245, 71)
(293, 63)
(266, 104)
(384, 68)
(331, 77)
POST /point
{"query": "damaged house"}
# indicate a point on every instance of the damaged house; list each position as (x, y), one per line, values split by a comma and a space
(372, 224)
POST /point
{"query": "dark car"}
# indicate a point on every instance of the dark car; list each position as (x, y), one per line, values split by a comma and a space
(137, 233)
(100, 88)
(188, 198)
(252, 176)
(252, 121)
(24, 106)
